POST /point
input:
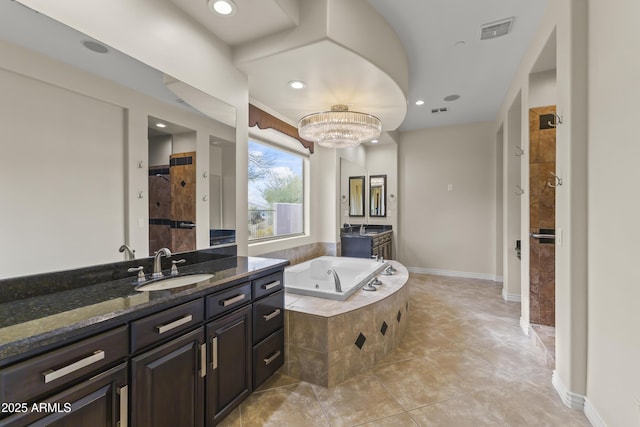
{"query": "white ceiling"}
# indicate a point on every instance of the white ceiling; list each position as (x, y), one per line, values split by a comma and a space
(479, 71)
(430, 30)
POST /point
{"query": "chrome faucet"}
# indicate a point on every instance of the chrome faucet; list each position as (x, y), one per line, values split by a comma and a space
(157, 265)
(336, 280)
(131, 253)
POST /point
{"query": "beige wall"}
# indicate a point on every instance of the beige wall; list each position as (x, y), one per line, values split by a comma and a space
(62, 181)
(95, 135)
(565, 25)
(511, 198)
(450, 231)
(191, 55)
(542, 89)
(613, 382)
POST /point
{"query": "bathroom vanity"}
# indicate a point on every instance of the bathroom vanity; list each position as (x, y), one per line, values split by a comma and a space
(375, 240)
(110, 355)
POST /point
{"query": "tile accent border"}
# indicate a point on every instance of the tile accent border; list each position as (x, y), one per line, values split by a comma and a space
(570, 399)
(453, 273)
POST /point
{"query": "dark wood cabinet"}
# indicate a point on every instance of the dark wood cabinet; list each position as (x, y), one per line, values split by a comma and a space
(101, 401)
(189, 364)
(229, 378)
(168, 383)
(367, 246)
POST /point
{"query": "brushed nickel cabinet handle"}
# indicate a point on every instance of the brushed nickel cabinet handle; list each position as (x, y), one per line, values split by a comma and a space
(272, 358)
(233, 300)
(214, 353)
(124, 406)
(271, 315)
(169, 326)
(203, 360)
(271, 285)
(53, 375)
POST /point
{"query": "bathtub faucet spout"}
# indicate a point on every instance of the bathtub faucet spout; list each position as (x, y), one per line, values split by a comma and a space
(336, 280)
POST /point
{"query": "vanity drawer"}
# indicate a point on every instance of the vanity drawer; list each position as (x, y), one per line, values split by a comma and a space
(228, 300)
(35, 377)
(268, 284)
(166, 324)
(268, 316)
(268, 356)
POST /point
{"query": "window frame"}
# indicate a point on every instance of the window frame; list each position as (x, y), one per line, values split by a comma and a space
(304, 157)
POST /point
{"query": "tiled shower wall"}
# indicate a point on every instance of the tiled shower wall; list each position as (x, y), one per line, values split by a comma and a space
(172, 202)
(542, 203)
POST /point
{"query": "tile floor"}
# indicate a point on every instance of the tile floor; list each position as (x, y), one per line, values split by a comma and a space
(464, 362)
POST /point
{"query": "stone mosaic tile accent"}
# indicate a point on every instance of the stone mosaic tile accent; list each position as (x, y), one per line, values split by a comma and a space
(331, 341)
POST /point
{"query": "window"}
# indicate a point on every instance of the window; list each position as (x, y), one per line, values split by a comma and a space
(276, 192)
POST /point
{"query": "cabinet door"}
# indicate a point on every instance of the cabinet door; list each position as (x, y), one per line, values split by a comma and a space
(100, 401)
(168, 385)
(229, 379)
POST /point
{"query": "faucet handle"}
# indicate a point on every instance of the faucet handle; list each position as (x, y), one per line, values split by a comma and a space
(140, 270)
(375, 256)
(174, 267)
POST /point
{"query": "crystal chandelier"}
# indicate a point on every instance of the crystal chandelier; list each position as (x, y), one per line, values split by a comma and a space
(339, 128)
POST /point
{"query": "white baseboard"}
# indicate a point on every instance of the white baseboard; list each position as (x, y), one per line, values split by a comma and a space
(570, 399)
(511, 297)
(592, 415)
(453, 273)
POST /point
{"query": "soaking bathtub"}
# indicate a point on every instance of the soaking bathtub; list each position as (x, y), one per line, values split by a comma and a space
(315, 278)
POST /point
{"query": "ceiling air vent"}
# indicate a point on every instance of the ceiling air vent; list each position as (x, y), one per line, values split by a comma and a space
(496, 29)
(439, 110)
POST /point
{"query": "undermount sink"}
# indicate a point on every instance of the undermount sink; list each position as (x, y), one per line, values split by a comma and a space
(173, 282)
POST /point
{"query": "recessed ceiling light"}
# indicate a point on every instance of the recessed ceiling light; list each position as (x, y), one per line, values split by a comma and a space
(419, 102)
(161, 125)
(452, 97)
(296, 84)
(95, 46)
(374, 141)
(223, 7)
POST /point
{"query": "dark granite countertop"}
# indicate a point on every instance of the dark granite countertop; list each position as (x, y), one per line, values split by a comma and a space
(30, 324)
(371, 231)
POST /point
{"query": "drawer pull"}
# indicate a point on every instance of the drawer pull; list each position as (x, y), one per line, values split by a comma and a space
(268, 286)
(53, 375)
(272, 358)
(124, 406)
(214, 353)
(169, 326)
(203, 360)
(233, 300)
(271, 315)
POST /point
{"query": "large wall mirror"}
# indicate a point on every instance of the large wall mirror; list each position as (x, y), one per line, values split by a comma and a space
(377, 195)
(356, 196)
(76, 171)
